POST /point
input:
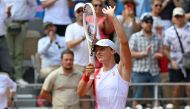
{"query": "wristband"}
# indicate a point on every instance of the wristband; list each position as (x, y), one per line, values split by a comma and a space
(85, 78)
(143, 54)
(91, 77)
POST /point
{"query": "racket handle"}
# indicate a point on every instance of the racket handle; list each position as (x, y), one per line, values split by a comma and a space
(92, 58)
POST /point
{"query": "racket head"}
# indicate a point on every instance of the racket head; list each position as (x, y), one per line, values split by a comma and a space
(89, 22)
(90, 29)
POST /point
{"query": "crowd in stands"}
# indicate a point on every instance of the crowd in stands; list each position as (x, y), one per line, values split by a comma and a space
(154, 29)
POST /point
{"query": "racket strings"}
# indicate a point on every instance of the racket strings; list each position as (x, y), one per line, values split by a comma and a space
(90, 21)
(88, 11)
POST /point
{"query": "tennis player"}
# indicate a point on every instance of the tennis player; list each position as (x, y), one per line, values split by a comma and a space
(111, 82)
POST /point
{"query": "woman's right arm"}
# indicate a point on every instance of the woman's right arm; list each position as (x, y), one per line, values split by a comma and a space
(86, 82)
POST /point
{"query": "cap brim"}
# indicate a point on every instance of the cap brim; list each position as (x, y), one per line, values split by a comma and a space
(178, 14)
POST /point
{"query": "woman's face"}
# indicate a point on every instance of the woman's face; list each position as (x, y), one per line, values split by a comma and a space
(129, 6)
(103, 54)
(97, 6)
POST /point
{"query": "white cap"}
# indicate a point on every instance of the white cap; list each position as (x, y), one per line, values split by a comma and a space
(78, 5)
(158, 23)
(107, 43)
(178, 11)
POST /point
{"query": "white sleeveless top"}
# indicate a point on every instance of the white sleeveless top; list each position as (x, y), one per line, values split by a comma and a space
(111, 89)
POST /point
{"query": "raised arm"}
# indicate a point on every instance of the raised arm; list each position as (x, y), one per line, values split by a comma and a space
(125, 64)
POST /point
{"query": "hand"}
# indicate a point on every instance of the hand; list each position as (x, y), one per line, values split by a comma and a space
(148, 50)
(109, 10)
(52, 35)
(10, 102)
(8, 11)
(89, 69)
(83, 38)
(158, 55)
(174, 64)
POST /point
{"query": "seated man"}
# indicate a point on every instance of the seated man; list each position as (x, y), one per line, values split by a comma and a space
(49, 49)
(60, 87)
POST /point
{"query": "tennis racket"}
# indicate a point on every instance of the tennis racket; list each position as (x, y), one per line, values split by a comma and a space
(90, 29)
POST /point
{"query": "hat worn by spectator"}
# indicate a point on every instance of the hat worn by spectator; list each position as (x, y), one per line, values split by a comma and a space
(78, 5)
(178, 11)
(107, 43)
(47, 24)
(146, 17)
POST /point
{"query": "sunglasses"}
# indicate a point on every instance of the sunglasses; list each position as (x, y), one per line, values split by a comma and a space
(178, 16)
(80, 11)
(97, 5)
(158, 5)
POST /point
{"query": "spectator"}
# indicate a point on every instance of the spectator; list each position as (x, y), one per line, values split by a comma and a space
(104, 24)
(105, 27)
(156, 7)
(5, 58)
(19, 13)
(60, 86)
(75, 39)
(158, 28)
(145, 49)
(7, 91)
(128, 18)
(173, 51)
(49, 49)
(57, 12)
(166, 13)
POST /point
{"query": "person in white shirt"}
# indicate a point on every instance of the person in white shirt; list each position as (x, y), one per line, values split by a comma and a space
(111, 82)
(5, 59)
(57, 12)
(75, 39)
(156, 7)
(7, 91)
(19, 14)
(174, 52)
(49, 49)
